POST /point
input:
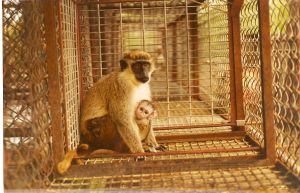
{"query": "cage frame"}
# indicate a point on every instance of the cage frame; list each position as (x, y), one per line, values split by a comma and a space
(266, 155)
(236, 88)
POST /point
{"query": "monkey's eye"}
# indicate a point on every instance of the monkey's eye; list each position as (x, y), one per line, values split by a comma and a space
(141, 109)
(146, 112)
(147, 65)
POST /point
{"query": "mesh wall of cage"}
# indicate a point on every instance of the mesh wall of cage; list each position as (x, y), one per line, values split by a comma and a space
(227, 91)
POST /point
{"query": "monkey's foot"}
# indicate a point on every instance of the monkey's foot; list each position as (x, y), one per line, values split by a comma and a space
(83, 146)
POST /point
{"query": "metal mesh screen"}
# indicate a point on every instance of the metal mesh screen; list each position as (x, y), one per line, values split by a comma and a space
(185, 179)
(191, 88)
(251, 69)
(284, 17)
(285, 39)
(190, 73)
(69, 59)
(214, 75)
(27, 139)
(190, 150)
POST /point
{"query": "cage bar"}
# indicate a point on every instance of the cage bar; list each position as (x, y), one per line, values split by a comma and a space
(54, 84)
(266, 78)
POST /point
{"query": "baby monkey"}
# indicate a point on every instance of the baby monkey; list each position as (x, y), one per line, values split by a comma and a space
(144, 113)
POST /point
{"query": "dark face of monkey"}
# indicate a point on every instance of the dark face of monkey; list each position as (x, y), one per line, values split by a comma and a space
(145, 110)
(141, 70)
(139, 63)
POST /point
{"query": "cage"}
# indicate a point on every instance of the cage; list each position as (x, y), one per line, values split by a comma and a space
(227, 91)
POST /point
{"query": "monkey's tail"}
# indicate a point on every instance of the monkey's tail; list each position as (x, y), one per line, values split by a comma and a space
(65, 164)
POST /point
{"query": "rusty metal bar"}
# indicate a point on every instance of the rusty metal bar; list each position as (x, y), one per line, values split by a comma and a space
(202, 137)
(194, 126)
(266, 80)
(149, 166)
(182, 152)
(112, 1)
(18, 132)
(53, 77)
(232, 71)
(80, 2)
(236, 68)
(60, 31)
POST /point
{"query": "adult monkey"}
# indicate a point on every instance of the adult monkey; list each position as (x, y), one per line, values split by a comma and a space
(117, 95)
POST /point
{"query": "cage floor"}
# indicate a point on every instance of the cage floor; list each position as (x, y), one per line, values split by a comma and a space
(188, 150)
(231, 164)
(186, 179)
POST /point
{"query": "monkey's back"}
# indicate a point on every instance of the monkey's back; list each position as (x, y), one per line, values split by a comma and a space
(95, 103)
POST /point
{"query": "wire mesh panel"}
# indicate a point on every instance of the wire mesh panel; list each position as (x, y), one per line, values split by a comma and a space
(214, 75)
(69, 59)
(251, 69)
(285, 39)
(27, 139)
(186, 179)
(284, 16)
(189, 150)
(192, 80)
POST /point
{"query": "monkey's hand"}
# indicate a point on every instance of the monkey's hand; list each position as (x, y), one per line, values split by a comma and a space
(161, 148)
(149, 148)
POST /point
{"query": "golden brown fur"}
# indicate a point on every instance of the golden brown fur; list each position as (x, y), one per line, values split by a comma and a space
(117, 96)
(107, 114)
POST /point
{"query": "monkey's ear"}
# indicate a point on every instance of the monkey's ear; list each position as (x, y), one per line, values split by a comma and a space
(123, 64)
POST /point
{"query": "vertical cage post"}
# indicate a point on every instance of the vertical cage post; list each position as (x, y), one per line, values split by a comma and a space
(193, 30)
(103, 50)
(174, 54)
(53, 73)
(81, 67)
(266, 80)
(95, 40)
(236, 87)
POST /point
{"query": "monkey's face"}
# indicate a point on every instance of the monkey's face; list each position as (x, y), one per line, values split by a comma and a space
(138, 65)
(141, 70)
(145, 111)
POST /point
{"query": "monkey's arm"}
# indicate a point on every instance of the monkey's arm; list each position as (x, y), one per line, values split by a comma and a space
(150, 139)
(122, 116)
(128, 130)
